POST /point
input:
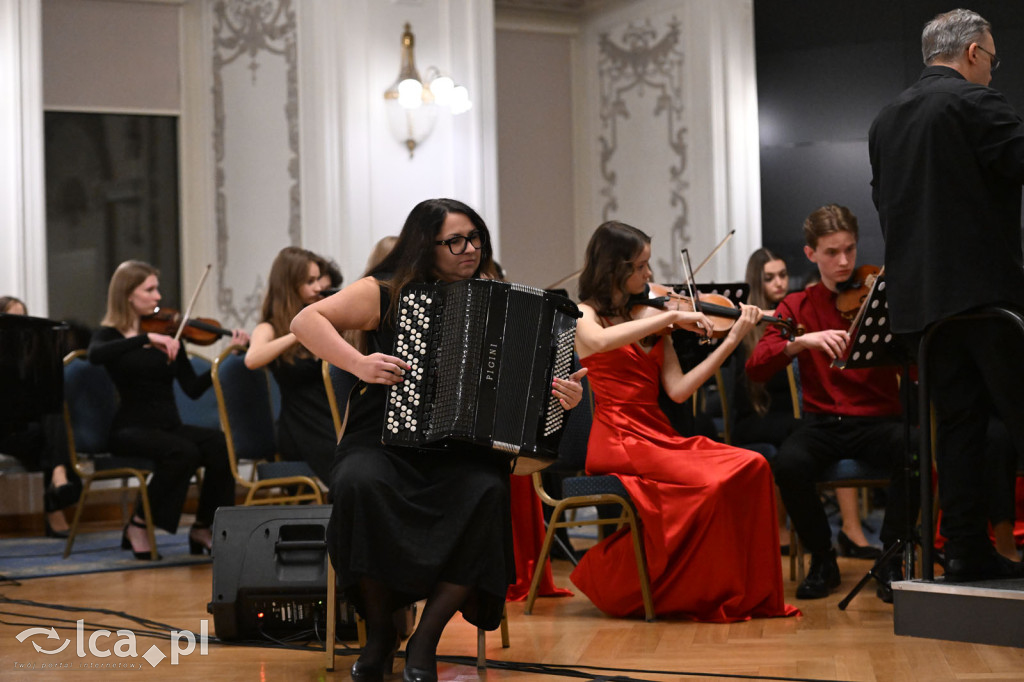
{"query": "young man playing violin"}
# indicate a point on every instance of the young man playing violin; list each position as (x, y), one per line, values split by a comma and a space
(847, 413)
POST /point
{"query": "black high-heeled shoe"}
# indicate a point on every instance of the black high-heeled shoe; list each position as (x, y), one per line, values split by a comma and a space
(60, 534)
(848, 548)
(197, 546)
(374, 671)
(127, 544)
(418, 675)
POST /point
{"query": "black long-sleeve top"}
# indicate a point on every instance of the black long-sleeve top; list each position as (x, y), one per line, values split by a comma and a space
(947, 161)
(145, 379)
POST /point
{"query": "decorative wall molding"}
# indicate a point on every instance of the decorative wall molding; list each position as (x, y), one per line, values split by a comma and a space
(252, 29)
(644, 61)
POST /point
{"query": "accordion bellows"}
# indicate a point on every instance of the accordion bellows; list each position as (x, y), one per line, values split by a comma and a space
(483, 355)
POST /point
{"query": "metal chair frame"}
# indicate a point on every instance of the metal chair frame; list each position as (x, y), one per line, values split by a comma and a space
(256, 488)
(614, 494)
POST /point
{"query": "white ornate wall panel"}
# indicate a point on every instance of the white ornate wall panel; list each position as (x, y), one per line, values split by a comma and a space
(362, 187)
(663, 143)
(256, 147)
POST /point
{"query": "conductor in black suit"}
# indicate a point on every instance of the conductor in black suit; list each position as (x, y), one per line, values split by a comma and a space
(947, 160)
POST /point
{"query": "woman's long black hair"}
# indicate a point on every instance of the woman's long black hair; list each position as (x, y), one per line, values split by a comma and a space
(412, 258)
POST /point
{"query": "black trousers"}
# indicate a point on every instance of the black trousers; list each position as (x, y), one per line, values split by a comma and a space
(822, 440)
(976, 376)
(176, 454)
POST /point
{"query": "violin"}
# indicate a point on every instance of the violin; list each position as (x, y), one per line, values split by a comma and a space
(722, 312)
(202, 331)
(853, 291)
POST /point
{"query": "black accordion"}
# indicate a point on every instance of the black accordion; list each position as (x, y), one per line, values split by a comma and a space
(483, 355)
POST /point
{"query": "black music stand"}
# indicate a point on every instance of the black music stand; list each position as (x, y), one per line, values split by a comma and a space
(875, 345)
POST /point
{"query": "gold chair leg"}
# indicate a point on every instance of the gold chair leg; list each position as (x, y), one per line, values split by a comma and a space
(505, 643)
(799, 559)
(332, 616)
(641, 565)
(793, 548)
(481, 657)
(86, 486)
(545, 549)
(360, 631)
(481, 640)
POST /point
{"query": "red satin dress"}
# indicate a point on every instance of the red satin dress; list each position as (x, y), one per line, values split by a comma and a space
(527, 538)
(707, 508)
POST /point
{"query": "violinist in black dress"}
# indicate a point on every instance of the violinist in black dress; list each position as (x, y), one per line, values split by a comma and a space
(143, 367)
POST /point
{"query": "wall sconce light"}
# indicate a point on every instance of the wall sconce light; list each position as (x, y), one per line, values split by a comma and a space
(412, 104)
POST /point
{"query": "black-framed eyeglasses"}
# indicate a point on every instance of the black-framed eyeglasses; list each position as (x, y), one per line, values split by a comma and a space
(994, 64)
(457, 245)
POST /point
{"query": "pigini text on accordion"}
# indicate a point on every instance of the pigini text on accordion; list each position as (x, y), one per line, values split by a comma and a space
(483, 354)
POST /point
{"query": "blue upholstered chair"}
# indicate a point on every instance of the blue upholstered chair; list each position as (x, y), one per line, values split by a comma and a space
(201, 411)
(246, 411)
(580, 491)
(339, 385)
(90, 404)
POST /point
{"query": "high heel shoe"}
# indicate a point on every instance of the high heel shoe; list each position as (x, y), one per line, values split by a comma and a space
(196, 545)
(374, 671)
(418, 675)
(60, 534)
(848, 548)
(127, 544)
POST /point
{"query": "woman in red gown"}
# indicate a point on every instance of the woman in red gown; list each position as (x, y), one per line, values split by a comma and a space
(707, 509)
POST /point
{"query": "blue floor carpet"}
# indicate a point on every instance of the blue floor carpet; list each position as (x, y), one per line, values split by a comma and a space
(93, 552)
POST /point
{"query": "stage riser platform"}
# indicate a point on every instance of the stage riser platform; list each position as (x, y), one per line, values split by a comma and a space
(990, 612)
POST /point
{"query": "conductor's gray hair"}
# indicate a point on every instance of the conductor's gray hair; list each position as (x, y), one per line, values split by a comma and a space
(946, 36)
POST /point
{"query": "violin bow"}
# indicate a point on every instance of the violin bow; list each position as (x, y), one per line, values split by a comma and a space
(195, 294)
(713, 252)
(684, 255)
(564, 280)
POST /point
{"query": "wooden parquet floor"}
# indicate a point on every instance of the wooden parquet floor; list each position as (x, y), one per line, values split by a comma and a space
(822, 644)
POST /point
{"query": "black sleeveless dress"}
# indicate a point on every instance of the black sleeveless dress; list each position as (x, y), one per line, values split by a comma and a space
(305, 429)
(413, 518)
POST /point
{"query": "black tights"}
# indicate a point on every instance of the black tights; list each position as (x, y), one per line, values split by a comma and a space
(382, 634)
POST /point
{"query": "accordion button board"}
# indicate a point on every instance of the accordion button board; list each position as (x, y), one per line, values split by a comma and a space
(482, 356)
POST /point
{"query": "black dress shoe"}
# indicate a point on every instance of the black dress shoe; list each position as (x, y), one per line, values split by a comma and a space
(374, 671)
(145, 555)
(989, 565)
(887, 573)
(368, 672)
(822, 578)
(849, 548)
(51, 533)
(418, 675)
